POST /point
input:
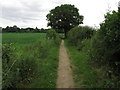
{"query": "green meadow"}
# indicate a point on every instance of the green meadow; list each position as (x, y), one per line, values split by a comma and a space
(22, 38)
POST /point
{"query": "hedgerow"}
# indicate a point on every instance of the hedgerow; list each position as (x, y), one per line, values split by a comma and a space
(102, 47)
(77, 34)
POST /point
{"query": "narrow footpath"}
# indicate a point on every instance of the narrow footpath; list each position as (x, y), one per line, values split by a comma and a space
(65, 79)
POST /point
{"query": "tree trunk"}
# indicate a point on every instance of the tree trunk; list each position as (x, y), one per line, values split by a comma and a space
(65, 33)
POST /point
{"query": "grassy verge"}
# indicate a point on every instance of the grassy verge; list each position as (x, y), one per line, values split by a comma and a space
(47, 69)
(84, 75)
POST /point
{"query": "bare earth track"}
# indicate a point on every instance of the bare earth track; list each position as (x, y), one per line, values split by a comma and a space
(65, 79)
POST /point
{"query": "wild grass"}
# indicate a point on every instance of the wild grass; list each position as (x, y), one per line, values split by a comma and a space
(85, 76)
(46, 78)
(37, 60)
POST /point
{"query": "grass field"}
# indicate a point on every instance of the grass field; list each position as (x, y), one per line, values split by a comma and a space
(22, 38)
(40, 53)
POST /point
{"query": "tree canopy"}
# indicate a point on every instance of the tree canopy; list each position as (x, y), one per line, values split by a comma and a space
(64, 17)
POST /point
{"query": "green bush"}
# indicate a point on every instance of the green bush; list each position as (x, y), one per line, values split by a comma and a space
(97, 50)
(53, 35)
(102, 49)
(27, 67)
(78, 33)
(6, 53)
(9, 70)
(105, 49)
(106, 44)
(19, 69)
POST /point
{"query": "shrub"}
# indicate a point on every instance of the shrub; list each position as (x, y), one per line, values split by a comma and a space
(27, 66)
(9, 70)
(78, 33)
(17, 69)
(51, 34)
(105, 49)
(107, 42)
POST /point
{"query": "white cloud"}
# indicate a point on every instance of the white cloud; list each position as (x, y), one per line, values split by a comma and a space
(32, 13)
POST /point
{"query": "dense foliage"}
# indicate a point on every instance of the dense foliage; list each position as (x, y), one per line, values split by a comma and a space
(18, 69)
(52, 34)
(106, 44)
(64, 17)
(77, 34)
(103, 49)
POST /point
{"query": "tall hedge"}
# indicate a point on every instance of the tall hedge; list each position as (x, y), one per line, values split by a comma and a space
(79, 33)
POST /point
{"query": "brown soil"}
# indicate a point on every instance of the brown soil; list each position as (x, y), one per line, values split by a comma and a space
(65, 79)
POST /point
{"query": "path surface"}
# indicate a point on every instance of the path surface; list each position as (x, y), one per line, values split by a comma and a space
(65, 79)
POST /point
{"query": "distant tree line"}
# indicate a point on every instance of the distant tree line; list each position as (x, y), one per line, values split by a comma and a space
(15, 29)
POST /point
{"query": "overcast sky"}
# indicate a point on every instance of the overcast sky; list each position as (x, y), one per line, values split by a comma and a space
(32, 13)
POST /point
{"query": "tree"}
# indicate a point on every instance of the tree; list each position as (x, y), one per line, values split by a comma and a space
(15, 29)
(11, 29)
(64, 17)
(105, 46)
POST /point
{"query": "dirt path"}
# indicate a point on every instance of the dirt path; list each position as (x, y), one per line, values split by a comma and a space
(65, 79)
